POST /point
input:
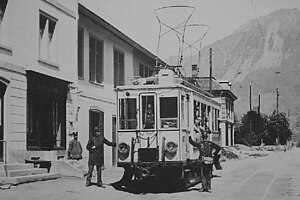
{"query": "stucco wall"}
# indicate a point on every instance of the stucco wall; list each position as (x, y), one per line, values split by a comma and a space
(14, 115)
(24, 36)
(20, 52)
(100, 96)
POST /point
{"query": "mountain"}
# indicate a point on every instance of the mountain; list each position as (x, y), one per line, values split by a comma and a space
(263, 53)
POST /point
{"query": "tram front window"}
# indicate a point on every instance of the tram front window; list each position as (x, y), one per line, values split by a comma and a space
(128, 114)
(168, 112)
(148, 112)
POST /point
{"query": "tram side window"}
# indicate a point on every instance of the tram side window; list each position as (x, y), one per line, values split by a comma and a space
(128, 114)
(168, 112)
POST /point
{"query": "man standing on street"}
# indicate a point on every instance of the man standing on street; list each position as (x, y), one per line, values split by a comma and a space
(95, 147)
(206, 158)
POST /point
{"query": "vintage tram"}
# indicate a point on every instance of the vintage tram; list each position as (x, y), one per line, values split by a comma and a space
(155, 118)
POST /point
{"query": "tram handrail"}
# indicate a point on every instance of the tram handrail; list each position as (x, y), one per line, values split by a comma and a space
(5, 157)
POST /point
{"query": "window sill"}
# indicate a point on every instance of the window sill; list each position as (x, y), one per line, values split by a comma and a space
(97, 84)
(5, 50)
(48, 64)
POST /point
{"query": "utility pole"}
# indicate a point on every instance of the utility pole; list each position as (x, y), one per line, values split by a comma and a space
(250, 98)
(277, 102)
(259, 104)
(210, 70)
(250, 120)
(277, 97)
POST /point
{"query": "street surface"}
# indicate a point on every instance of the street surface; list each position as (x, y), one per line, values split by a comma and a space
(276, 176)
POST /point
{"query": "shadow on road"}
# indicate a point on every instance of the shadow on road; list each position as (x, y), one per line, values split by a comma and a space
(154, 186)
(149, 186)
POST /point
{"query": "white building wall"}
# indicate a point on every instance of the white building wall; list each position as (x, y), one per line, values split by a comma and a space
(100, 96)
(25, 36)
(14, 110)
(19, 51)
(223, 134)
(226, 116)
(86, 104)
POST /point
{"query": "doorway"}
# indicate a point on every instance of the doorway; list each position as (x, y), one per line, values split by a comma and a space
(96, 119)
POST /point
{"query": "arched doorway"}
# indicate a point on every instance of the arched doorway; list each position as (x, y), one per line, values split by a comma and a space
(2, 92)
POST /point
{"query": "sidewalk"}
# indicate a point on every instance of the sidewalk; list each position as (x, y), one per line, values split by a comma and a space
(109, 174)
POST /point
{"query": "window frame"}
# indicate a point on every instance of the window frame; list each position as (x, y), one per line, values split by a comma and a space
(169, 119)
(80, 53)
(96, 73)
(119, 67)
(123, 114)
(5, 29)
(145, 100)
(145, 71)
(47, 39)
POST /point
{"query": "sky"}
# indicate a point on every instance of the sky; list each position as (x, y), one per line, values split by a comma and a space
(137, 19)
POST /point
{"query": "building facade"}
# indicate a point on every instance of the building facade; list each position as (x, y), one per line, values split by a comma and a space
(221, 93)
(107, 58)
(227, 117)
(59, 67)
(226, 98)
(37, 62)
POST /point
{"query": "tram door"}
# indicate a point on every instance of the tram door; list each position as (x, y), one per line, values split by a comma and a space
(148, 111)
(2, 91)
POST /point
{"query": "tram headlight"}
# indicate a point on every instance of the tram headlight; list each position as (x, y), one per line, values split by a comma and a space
(123, 151)
(171, 149)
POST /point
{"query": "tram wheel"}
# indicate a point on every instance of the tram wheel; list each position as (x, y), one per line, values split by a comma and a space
(190, 179)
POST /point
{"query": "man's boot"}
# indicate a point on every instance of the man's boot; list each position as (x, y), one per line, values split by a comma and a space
(204, 185)
(99, 178)
(88, 183)
(208, 184)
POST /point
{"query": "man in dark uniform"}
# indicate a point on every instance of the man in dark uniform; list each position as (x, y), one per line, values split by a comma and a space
(95, 147)
(206, 159)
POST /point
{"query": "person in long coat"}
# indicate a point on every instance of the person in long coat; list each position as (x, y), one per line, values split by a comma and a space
(75, 149)
(95, 147)
(206, 159)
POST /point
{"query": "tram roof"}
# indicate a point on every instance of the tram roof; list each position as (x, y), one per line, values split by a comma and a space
(179, 83)
(154, 84)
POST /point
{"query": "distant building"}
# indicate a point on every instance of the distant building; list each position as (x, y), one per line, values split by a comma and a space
(221, 92)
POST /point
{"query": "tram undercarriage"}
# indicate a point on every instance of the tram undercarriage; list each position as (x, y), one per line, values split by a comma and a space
(179, 173)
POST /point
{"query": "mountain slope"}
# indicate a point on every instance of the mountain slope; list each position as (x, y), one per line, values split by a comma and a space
(263, 53)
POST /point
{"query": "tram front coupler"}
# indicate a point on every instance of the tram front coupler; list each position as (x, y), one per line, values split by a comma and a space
(142, 172)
